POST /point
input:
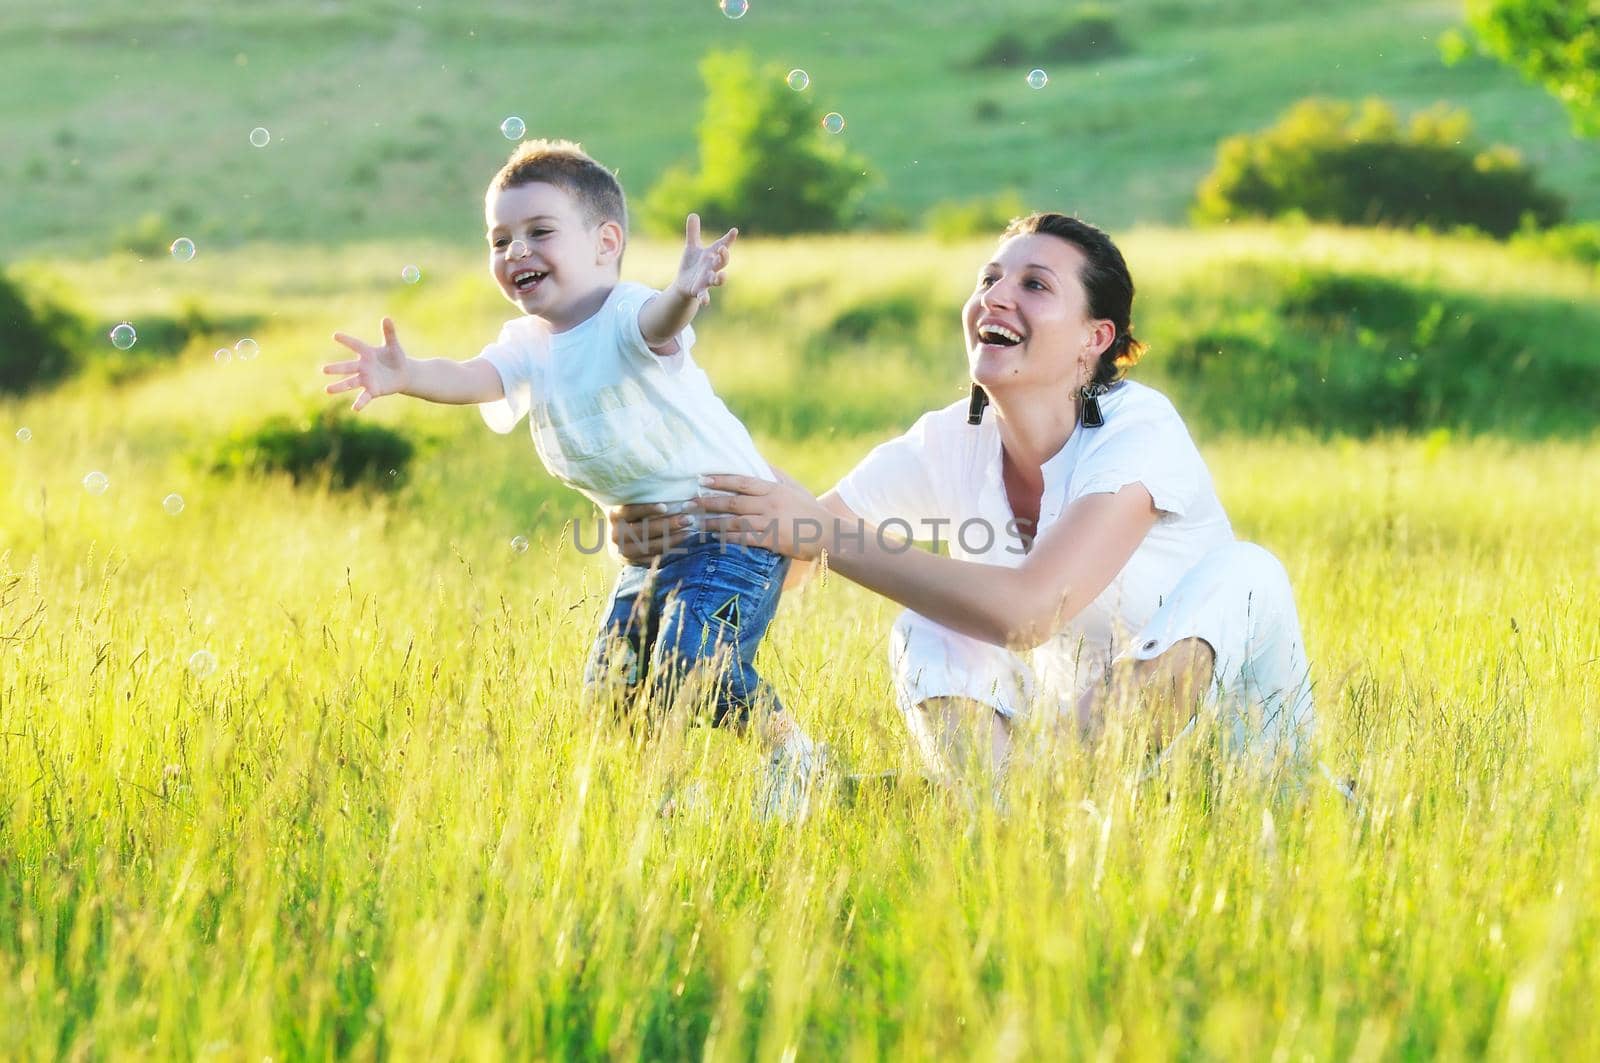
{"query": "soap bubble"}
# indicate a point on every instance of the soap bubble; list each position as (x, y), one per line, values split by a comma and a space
(224, 355)
(734, 8)
(202, 664)
(798, 79)
(411, 274)
(182, 249)
(24, 434)
(833, 122)
(1038, 79)
(124, 336)
(513, 128)
(519, 544)
(260, 137)
(246, 349)
(96, 483)
(173, 504)
(518, 249)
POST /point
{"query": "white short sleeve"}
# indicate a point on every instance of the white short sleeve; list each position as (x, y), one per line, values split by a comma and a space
(512, 357)
(896, 480)
(1152, 449)
(624, 309)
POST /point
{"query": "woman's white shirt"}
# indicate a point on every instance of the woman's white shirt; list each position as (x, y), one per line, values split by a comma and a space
(942, 480)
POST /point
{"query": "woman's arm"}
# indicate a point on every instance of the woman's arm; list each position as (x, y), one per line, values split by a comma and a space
(641, 533)
(1020, 607)
(801, 569)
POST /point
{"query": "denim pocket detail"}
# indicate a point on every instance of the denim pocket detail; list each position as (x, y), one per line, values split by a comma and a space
(751, 564)
(735, 591)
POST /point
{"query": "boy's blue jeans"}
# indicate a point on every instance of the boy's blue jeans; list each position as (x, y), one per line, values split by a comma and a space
(708, 604)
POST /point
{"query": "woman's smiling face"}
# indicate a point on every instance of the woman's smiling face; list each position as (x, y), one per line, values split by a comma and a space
(1027, 321)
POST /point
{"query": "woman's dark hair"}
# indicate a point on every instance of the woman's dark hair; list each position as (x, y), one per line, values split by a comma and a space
(1105, 280)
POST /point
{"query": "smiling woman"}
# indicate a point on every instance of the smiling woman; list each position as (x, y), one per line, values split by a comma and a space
(1044, 298)
(1092, 568)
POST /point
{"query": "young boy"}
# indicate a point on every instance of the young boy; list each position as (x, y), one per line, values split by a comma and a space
(620, 411)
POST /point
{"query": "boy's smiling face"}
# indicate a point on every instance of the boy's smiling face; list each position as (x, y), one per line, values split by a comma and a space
(545, 255)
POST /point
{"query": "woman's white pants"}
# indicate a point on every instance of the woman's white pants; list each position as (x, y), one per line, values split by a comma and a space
(1236, 598)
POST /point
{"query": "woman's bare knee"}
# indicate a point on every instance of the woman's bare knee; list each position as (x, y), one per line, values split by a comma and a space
(953, 732)
(1187, 663)
(1165, 687)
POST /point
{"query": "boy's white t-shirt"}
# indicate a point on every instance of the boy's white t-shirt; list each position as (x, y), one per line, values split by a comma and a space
(946, 471)
(609, 416)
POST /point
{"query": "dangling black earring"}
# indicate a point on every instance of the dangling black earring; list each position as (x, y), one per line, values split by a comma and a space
(980, 399)
(1092, 417)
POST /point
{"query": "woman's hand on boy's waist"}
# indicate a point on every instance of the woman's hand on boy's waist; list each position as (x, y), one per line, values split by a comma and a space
(642, 531)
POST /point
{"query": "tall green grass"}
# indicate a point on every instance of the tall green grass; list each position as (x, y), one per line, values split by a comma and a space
(391, 823)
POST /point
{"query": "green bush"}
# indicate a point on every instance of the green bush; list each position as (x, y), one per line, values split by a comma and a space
(984, 216)
(148, 235)
(904, 321)
(1330, 161)
(1355, 353)
(1579, 242)
(765, 163)
(45, 337)
(40, 333)
(1084, 35)
(162, 338)
(328, 446)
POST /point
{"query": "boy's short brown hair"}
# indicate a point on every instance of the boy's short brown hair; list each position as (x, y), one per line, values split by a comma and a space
(567, 166)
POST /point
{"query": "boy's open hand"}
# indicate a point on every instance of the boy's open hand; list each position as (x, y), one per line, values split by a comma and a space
(702, 268)
(378, 371)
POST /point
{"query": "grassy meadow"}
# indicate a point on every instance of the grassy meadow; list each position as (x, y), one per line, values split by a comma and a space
(388, 823)
(300, 773)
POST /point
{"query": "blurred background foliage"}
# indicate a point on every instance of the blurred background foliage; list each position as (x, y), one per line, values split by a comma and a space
(129, 128)
(128, 124)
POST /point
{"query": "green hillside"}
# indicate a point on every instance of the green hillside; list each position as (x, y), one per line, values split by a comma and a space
(385, 115)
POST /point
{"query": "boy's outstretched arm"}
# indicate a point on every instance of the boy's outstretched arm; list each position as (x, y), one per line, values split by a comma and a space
(702, 269)
(386, 370)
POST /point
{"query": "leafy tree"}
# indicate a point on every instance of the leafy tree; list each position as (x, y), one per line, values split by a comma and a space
(765, 163)
(983, 216)
(1553, 42)
(40, 333)
(1331, 161)
(1084, 35)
